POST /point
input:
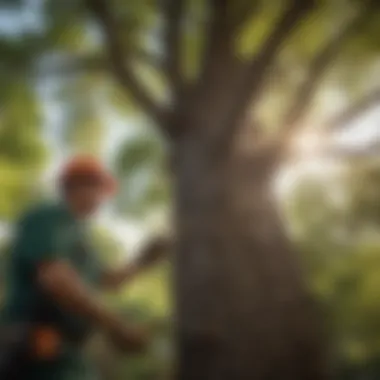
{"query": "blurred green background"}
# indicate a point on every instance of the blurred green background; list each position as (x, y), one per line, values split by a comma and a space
(57, 98)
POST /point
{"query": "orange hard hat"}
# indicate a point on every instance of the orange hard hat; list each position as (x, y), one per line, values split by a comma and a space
(88, 167)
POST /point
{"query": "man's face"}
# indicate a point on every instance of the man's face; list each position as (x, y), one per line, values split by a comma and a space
(85, 197)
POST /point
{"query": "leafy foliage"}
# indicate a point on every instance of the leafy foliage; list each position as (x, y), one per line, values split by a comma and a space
(342, 262)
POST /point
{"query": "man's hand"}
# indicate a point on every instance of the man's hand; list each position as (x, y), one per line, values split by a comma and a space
(153, 252)
(128, 339)
(156, 250)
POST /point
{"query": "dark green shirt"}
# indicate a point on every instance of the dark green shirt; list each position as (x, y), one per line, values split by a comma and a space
(46, 233)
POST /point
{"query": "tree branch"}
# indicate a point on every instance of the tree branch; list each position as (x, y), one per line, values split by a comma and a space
(263, 61)
(147, 58)
(93, 63)
(217, 37)
(354, 111)
(255, 72)
(121, 65)
(173, 12)
(243, 12)
(318, 68)
(371, 150)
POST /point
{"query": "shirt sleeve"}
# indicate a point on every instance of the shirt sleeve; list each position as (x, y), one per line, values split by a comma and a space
(41, 239)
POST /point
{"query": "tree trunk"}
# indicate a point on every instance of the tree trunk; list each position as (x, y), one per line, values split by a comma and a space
(243, 311)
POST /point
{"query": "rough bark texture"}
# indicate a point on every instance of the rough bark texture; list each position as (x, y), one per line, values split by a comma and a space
(242, 308)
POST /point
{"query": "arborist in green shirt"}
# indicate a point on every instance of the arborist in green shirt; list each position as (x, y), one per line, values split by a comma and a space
(51, 305)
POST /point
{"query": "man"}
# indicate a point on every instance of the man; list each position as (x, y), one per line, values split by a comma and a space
(50, 307)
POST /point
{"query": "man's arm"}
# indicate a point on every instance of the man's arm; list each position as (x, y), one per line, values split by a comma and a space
(152, 253)
(43, 242)
(60, 280)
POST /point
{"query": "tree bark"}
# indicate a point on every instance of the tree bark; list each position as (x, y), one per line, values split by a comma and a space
(243, 310)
